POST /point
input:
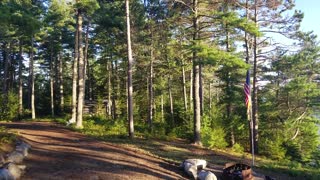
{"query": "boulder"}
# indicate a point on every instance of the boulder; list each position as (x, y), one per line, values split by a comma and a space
(191, 166)
(23, 150)
(5, 174)
(2, 159)
(71, 121)
(206, 175)
(15, 157)
(199, 163)
(15, 170)
(190, 169)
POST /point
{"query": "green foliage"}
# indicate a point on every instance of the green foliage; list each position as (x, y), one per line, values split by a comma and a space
(6, 137)
(232, 20)
(316, 159)
(88, 6)
(9, 106)
(237, 148)
(213, 55)
(102, 128)
(100, 108)
(214, 137)
(273, 148)
(184, 132)
(293, 150)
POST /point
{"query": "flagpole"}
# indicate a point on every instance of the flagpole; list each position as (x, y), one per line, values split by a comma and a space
(247, 90)
(252, 139)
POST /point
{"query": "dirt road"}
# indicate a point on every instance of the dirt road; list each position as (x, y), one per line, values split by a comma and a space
(58, 153)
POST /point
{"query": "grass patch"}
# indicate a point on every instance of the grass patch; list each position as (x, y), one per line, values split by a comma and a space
(7, 140)
(6, 137)
(292, 169)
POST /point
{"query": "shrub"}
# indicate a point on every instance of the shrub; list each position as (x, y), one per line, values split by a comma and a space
(99, 127)
(9, 106)
(272, 148)
(5, 136)
(237, 148)
(214, 138)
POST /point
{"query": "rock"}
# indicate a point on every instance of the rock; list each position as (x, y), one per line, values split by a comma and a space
(23, 150)
(190, 169)
(5, 174)
(15, 157)
(15, 170)
(2, 159)
(26, 145)
(206, 175)
(199, 163)
(191, 166)
(71, 121)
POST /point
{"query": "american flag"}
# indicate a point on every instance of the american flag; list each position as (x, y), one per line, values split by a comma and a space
(247, 91)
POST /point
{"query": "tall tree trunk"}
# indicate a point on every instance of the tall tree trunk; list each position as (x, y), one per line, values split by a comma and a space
(109, 89)
(229, 92)
(11, 70)
(33, 108)
(75, 73)
(171, 103)
(6, 72)
(162, 109)
(184, 87)
(129, 81)
(90, 88)
(114, 93)
(86, 62)
(29, 81)
(20, 81)
(51, 83)
(210, 96)
(254, 86)
(196, 79)
(81, 74)
(201, 88)
(61, 82)
(150, 89)
(116, 88)
(191, 95)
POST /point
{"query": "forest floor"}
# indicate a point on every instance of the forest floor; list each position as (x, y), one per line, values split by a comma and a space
(59, 153)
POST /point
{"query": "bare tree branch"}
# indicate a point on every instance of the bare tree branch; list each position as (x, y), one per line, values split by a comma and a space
(182, 2)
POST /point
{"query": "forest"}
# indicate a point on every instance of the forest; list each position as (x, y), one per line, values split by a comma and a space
(167, 69)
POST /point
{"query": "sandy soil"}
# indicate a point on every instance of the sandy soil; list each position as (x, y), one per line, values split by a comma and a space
(58, 153)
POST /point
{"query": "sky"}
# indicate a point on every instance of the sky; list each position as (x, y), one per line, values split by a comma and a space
(311, 10)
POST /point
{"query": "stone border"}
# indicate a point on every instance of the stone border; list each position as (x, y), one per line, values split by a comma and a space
(12, 168)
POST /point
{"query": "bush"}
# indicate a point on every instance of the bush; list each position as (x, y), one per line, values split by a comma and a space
(237, 148)
(293, 150)
(6, 137)
(181, 132)
(9, 106)
(272, 148)
(214, 138)
(99, 127)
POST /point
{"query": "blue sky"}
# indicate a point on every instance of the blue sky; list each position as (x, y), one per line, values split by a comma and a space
(311, 20)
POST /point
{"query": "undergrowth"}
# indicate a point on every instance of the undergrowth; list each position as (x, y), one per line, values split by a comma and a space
(6, 137)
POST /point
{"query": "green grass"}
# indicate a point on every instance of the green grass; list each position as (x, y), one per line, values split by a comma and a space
(293, 169)
(6, 137)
